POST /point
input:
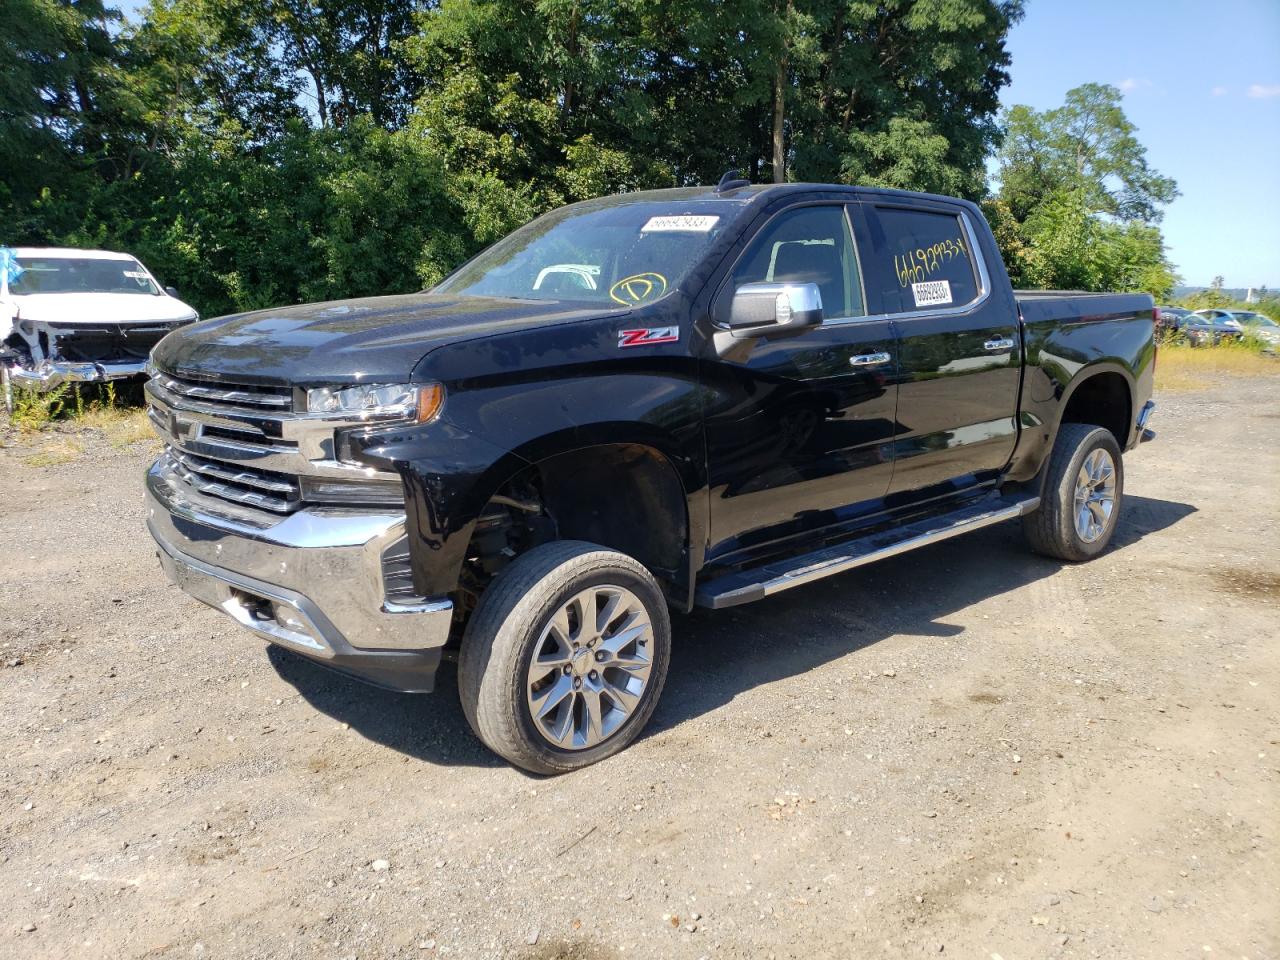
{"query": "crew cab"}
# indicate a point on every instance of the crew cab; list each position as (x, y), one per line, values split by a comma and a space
(76, 316)
(630, 407)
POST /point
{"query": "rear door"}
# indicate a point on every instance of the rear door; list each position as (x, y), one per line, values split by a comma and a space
(959, 349)
(798, 429)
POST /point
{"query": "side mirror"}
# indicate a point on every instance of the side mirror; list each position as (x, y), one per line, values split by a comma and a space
(771, 309)
(173, 292)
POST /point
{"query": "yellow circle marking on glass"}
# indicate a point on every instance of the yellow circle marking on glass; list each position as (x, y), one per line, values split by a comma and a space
(638, 288)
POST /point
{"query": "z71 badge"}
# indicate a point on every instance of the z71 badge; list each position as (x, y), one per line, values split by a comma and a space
(648, 335)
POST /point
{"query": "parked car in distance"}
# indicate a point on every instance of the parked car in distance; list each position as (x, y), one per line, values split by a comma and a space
(80, 315)
(634, 405)
(1207, 328)
(1259, 326)
(1170, 318)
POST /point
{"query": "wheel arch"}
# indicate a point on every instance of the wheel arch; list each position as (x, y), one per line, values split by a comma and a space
(624, 491)
(1101, 394)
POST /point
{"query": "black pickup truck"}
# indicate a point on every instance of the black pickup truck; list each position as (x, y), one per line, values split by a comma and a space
(632, 405)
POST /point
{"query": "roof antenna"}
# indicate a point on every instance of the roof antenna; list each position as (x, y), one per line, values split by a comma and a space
(731, 181)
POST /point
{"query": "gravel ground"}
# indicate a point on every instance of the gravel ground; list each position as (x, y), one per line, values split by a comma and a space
(967, 750)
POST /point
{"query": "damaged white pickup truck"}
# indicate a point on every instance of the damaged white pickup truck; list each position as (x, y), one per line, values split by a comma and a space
(71, 316)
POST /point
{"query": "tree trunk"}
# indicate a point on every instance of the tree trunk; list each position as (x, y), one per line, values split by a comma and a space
(780, 102)
(322, 103)
(779, 115)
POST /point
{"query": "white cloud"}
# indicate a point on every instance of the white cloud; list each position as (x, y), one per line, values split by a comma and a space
(1129, 84)
(1219, 91)
(1261, 91)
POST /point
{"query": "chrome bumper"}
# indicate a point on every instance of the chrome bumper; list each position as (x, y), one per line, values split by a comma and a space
(312, 583)
(53, 373)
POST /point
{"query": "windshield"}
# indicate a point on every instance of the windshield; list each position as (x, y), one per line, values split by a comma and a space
(622, 253)
(80, 275)
(1256, 319)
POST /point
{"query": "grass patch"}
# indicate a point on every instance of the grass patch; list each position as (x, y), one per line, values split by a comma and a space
(56, 423)
(122, 426)
(1180, 367)
(55, 453)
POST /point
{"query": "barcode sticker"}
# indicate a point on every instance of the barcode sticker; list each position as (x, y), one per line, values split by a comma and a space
(685, 224)
(931, 293)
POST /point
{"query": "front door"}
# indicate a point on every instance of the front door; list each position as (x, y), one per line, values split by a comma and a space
(799, 428)
(959, 348)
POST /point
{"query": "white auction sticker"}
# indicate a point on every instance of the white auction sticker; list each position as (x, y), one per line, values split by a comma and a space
(685, 224)
(931, 293)
(135, 274)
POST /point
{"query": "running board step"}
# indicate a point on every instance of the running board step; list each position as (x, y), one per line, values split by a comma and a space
(759, 582)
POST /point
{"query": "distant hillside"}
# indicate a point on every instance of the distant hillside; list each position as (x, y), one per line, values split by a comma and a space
(1235, 293)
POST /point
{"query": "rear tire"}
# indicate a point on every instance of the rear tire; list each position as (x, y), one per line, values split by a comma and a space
(565, 657)
(1083, 491)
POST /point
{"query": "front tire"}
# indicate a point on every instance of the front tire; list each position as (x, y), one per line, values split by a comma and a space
(1083, 492)
(565, 657)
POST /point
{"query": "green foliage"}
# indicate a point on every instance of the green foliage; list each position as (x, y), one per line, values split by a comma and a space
(1078, 205)
(1214, 297)
(1087, 145)
(256, 152)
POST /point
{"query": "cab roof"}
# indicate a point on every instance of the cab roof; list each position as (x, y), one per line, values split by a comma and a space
(69, 253)
(757, 193)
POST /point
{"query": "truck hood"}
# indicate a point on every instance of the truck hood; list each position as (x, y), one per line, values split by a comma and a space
(374, 339)
(97, 308)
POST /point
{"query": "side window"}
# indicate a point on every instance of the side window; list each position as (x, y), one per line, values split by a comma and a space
(807, 245)
(923, 260)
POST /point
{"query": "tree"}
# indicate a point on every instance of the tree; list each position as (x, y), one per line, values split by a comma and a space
(1078, 205)
(266, 151)
(1088, 145)
(60, 96)
(901, 94)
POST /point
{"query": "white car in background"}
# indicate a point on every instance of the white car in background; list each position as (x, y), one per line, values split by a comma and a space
(1260, 327)
(80, 316)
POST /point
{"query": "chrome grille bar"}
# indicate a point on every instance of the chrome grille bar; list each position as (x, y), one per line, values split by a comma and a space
(234, 492)
(209, 468)
(253, 398)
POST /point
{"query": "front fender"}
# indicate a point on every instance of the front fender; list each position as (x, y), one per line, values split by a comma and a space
(489, 434)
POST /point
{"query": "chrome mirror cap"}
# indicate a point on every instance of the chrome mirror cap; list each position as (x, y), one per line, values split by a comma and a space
(764, 309)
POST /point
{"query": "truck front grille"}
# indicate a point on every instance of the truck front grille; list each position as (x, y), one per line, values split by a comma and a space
(249, 398)
(245, 444)
(264, 489)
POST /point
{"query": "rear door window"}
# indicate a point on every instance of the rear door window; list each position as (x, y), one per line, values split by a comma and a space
(922, 259)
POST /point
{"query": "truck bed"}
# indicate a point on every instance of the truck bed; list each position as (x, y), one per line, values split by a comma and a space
(1066, 306)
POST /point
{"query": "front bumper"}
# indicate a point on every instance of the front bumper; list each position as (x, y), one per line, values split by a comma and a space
(311, 583)
(50, 374)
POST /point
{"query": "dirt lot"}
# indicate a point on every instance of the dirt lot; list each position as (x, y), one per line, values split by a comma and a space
(966, 750)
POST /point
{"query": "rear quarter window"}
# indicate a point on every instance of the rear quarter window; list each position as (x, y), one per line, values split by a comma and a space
(923, 260)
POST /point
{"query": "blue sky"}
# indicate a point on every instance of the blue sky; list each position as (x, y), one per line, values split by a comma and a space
(1201, 82)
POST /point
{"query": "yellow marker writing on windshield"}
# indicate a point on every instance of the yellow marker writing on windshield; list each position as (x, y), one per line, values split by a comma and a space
(638, 288)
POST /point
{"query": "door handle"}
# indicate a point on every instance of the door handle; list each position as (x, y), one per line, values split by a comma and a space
(868, 359)
(1002, 344)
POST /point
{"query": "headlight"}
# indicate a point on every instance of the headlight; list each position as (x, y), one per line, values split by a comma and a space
(414, 402)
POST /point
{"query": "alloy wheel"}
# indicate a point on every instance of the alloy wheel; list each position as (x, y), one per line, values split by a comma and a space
(1095, 497)
(590, 667)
